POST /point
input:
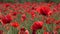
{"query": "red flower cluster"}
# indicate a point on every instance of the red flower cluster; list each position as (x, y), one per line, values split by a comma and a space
(28, 13)
(6, 19)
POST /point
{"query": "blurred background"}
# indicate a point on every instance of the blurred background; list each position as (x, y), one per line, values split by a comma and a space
(22, 1)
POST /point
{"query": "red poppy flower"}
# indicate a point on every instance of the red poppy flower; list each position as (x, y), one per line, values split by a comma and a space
(46, 32)
(26, 32)
(44, 11)
(6, 5)
(1, 31)
(14, 13)
(23, 31)
(37, 25)
(33, 15)
(57, 22)
(23, 17)
(14, 24)
(55, 32)
(57, 27)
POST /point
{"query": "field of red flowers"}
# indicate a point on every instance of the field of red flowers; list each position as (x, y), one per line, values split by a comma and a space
(30, 18)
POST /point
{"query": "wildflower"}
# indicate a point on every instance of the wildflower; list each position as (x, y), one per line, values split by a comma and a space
(37, 25)
(14, 24)
(44, 11)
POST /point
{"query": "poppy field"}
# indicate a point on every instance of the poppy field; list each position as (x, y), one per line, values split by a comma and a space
(30, 18)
